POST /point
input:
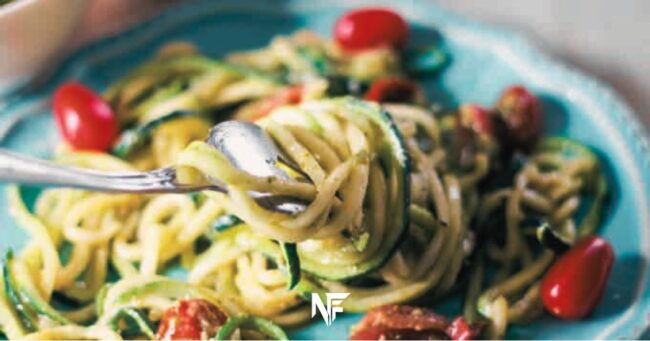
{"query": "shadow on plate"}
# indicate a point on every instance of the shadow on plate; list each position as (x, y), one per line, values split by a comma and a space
(622, 286)
(556, 116)
(422, 36)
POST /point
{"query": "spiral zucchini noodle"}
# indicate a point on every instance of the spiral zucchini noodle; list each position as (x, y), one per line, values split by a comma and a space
(398, 209)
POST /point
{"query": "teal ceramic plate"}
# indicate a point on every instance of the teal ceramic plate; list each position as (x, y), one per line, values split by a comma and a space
(484, 61)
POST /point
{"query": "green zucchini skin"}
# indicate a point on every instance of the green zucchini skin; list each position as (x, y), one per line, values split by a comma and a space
(132, 139)
(340, 85)
(594, 216)
(21, 292)
(266, 327)
(551, 239)
(268, 247)
(292, 260)
(221, 224)
(225, 222)
(27, 316)
(399, 154)
(308, 286)
(136, 323)
(135, 138)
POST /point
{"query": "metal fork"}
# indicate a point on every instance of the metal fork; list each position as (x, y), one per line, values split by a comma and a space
(244, 144)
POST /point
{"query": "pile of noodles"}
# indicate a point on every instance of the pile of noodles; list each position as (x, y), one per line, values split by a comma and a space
(81, 240)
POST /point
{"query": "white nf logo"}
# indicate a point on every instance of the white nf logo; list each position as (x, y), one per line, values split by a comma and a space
(334, 300)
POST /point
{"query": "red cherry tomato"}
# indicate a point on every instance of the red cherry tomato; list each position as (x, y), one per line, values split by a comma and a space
(368, 28)
(476, 119)
(84, 119)
(522, 114)
(290, 95)
(392, 90)
(575, 283)
(193, 319)
(402, 322)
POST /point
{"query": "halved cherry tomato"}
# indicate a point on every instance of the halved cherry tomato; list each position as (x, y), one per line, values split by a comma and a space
(193, 319)
(290, 95)
(84, 119)
(476, 118)
(575, 283)
(521, 112)
(403, 322)
(368, 28)
(392, 90)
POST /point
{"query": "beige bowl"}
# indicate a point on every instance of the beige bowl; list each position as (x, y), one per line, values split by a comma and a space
(32, 32)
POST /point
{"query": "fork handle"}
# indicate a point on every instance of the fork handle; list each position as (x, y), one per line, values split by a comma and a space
(28, 170)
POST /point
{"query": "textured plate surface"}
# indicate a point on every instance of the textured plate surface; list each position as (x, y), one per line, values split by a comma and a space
(485, 60)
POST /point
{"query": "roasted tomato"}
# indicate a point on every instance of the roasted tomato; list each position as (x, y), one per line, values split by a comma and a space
(573, 286)
(393, 90)
(193, 319)
(369, 28)
(402, 322)
(521, 112)
(84, 119)
(460, 329)
(397, 334)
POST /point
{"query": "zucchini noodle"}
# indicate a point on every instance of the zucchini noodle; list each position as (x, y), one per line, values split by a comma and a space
(392, 216)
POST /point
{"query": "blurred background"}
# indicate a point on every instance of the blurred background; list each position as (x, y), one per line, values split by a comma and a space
(608, 39)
